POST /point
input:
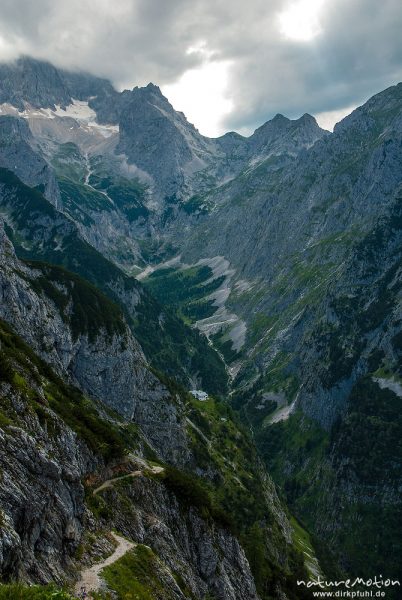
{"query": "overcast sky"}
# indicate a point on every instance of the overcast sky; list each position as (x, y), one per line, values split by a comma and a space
(228, 64)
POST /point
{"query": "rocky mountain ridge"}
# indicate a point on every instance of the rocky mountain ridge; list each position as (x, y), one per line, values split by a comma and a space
(85, 338)
(283, 247)
(154, 137)
(45, 520)
(56, 438)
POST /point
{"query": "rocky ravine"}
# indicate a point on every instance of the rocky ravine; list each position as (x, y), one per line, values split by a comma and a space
(107, 364)
(309, 223)
(56, 439)
(44, 517)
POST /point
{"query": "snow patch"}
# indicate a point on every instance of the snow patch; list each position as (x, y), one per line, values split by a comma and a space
(389, 384)
(79, 111)
(172, 262)
(282, 413)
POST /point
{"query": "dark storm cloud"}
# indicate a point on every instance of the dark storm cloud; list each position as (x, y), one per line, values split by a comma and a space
(357, 52)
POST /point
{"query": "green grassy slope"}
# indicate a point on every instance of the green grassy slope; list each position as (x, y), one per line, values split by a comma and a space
(39, 232)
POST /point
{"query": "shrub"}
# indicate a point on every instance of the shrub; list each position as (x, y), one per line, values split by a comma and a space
(6, 371)
(17, 591)
(193, 491)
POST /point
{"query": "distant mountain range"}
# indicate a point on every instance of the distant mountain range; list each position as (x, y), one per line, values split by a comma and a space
(264, 270)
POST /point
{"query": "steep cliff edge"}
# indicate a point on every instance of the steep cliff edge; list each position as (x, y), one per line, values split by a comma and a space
(40, 232)
(339, 457)
(84, 464)
(54, 439)
(72, 472)
(286, 244)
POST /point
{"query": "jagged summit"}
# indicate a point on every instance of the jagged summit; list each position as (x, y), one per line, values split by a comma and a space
(280, 122)
(380, 108)
(150, 133)
(153, 87)
(153, 95)
(282, 134)
(308, 119)
(160, 140)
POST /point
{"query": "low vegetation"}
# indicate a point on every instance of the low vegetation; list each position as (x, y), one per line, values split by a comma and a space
(168, 342)
(135, 576)
(17, 591)
(43, 390)
(90, 311)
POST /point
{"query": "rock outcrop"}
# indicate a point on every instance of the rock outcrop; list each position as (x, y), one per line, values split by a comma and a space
(308, 227)
(85, 338)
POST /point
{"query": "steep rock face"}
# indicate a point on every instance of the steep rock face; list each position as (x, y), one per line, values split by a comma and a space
(160, 141)
(44, 518)
(341, 348)
(28, 80)
(41, 496)
(95, 351)
(361, 315)
(95, 360)
(208, 560)
(340, 452)
(20, 153)
(55, 439)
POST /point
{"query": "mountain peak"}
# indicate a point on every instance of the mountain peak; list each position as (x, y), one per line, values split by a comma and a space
(149, 89)
(151, 94)
(154, 88)
(279, 118)
(307, 119)
(284, 135)
(37, 82)
(278, 122)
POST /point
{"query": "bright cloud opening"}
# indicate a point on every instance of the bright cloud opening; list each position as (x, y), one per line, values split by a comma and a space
(328, 120)
(300, 21)
(201, 93)
(10, 48)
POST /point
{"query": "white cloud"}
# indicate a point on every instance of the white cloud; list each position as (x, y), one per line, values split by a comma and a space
(244, 64)
(300, 21)
(328, 120)
(201, 93)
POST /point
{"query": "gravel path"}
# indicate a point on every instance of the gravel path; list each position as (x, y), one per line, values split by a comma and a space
(90, 580)
(110, 482)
